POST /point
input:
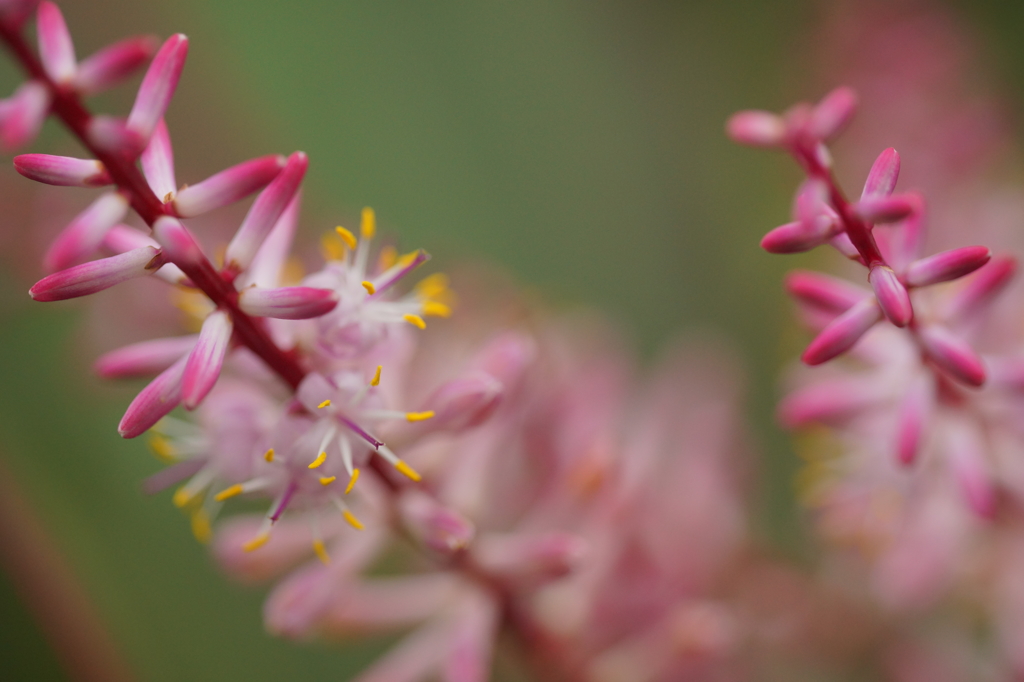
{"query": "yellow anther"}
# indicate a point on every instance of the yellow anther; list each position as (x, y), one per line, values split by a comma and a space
(321, 551)
(368, 225)
(388, 257)
(346, 236)
(319, 460)
(436, 309)
(327, 480)
(201, 526)
(408, 258)
(326, 403)
(415, 320)
(352, 520)
(419, 416)
(228, 493)
(375, 381)
(162, 449)
(352, 481)
(370, 289)
(269, 455)
(407, 470)
(182, 496)
(433, 286)
(256, 542)
(333, 248)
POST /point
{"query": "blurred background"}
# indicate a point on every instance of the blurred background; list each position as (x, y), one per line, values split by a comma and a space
(576, 145)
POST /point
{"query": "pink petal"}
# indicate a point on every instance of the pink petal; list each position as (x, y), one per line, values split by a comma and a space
(94, 276)
(841, 242)
(109, 66)
(287, 303)
(179, 245)
(62, 171)
(24, 115)
(158, 86)
(952, 354)
(797, 238)
(266, 267)
(946, 266)
(437, 527)
(228, 186)
(387, 604)
(84, 235)
(113, 135)
(206, 359)
(145, 358)
(822, 291)
(463, 403)
(158, 163)
(914, 412)
(756, 128)
(843, 332)
(56, 51)
(885, 209)
(121, 238)
(295, 607)
(826, 402)
(833, 113)
(891, 294)
(882, 177)
(979, 291)
(154, 401)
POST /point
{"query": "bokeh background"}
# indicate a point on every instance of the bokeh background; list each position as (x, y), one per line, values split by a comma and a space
(576, 144)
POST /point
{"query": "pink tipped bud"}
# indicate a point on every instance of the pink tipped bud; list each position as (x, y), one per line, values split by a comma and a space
(841, 243)
(833, 113)
(946, 266)
(158, 163)
(437, 527)
(463, 403)
(843, 332)
(23, 114)
(62, 171)
(287, 303)
(264, 213)
(113, 135)
(266, 267)
(89, 278)
(109, 66)
(885, 209)
(982, 288)
(56, 51)
(122, 238)
(206, 359)
(967, 461)
(143, 359)
(179, 245)
(228, 186)
(914, 411)
(797, 238)
(953, 355)
(83, 236)
(154, 401)
(529, 558)
(158, 86)
(829, 402)
(891, 294)
(756, 129)
(822, 291)
(883, 174)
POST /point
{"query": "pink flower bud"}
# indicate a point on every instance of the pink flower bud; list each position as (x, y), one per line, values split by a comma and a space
(179, 245)
(828, 402)
(946, 266)
(953, 355)
(980, 289)
(56, 51)
(843, 332)
(228, 186)
(756, 129)
(121, 238)
(157, 161)
(83, 236)
(506, 358)
(62, 171)
(154, 401)
(266, 267)
(295, 606)
(23, 114)
(386, 604)
(89, 278)
(158, 86)
(468, 654)
(109, 66)
(841, 243)
(891, 294)
(882, 177)
(206, 359)
(437, 527)
(914, 411)
(529, 558)
(264, 213)
(833, 113)
(967, 461)
(797, 238)
(830, 293)
(463, 403)
(885, 209)
(287, 303)
(114, 136)
(145, 358)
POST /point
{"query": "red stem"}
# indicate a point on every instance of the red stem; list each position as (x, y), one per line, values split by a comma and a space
(68, 107)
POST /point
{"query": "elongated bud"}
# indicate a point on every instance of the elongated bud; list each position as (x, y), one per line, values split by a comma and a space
(145, 358)
(437, 527)
(841, 243)
(756, 129)
(885, 209)
(228, 186)
(157, 161)
(266, 267)
(953, 355)
(946, 266)
(178, 244)
(264, 213)
(287, 303)
(23, 114)
(829, 402)
(984, 286)
(882, 177)
(797, 238)
(467, 657)
(62, 171)
(111, 65)
(122, 238)
(529, 557)
(158, 86)
(822, 291)
(56, 51)
(833, 113)
(967, 460)
(113, 135)
(463, 403)
(506, 358)
(154, 401)
(206, 359)
(914, 411)
(843, 332)
(89, 278)
(891, 294)
(83, 236)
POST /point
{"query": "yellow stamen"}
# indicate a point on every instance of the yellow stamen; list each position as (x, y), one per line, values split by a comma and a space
(326, 403)
(352, 520)
(352, 481)
(415, 320)
(333, 248)
(388, 257)
(433, 286)
(346, 236)
(327, 480)
(419, 416)
(368, 225)
(269, 456)
(182, 497)
(228, 493)
(436, 309)
(321, 551)
(319, 460)
(407, 470)
(370, 289)
(162, 449)
(201, 526)
(256, 542)
(408, 258)
(375, 381)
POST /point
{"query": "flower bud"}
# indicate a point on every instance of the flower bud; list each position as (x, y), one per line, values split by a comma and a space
(56, 51)
(206, 359)
(158, 86)
(287, 303)
(881, 180)
(144, 358)
(85, 233)
(62, 171)
(441, 529)
(110, 65)
(891, 294)
(153, 402)
(833, 113)
(228, 186)
(843, 332)
(756, 129)
(946, 266)
(94, 276)
(953, 355)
